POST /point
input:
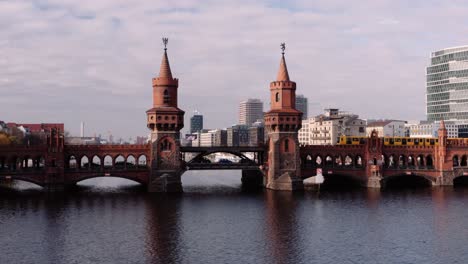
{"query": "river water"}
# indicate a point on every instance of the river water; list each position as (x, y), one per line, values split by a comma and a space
(214, 221)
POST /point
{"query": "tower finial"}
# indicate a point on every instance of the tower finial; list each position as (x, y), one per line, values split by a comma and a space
(165, 40)
(283, 47)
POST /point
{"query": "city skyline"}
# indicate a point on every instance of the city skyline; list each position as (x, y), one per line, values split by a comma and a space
(92, 54)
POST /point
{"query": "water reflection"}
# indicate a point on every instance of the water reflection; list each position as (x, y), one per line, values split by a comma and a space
(162, 229)
(113, 223)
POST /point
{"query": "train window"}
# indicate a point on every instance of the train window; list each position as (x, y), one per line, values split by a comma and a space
(355, 139)
(348, 141)
(403, 141)
(431, 141)
(397, 139)
(361, 141)
(392, 141)
(416, 141)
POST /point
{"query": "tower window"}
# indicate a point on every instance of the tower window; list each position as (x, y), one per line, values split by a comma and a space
(286, 145)
(166, 145)
(277, 97)
(166, 97)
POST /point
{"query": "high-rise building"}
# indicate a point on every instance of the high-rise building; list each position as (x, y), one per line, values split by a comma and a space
(238, 135)
(447, 85)
(301, 105)
(196, 123)
(250, 111)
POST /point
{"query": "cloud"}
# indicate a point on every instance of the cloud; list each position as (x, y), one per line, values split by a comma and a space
(92, 61)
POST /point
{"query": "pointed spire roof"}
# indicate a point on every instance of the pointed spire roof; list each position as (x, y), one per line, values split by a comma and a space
(165, 70)
(283, 74)
(442, 125)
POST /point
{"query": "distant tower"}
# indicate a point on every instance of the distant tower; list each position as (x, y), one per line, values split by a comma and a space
(165, 120)
(250, 111)
(196, 123)
(282, 123)
(82, 129)
(301, 105)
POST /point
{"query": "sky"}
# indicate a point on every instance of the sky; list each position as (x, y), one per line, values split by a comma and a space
(93, 60)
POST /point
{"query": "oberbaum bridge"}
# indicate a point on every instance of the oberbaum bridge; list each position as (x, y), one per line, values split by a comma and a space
(281, 164)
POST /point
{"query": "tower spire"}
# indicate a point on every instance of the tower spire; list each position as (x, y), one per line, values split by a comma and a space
(165, 69)
(283, 74)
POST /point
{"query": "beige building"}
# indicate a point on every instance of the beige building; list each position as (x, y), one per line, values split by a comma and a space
(250, 111)
(326, 129)
(387, 128)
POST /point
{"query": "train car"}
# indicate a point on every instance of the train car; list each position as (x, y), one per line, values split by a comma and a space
(346, 140)
(408, 141)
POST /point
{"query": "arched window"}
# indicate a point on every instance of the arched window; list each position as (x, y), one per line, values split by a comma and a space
(277, 97)
(166, 145)
(166, 97)
(286, 145)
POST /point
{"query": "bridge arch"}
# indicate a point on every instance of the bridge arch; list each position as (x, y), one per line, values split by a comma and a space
(463, 161)
(420, 161)
(342, 181)
(142, 160)
(328, 161)
(407, 180)
(202, 156)
(455, 161)
(338, 161)
(119, 162)
(101, 175)
(108, 161)
(84, 162)
(96, 162)
(429, 161)
(131, 161)
(348, 161)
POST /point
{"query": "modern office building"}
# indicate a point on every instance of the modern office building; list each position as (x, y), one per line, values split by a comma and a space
(428, 129)
(301, 105)
(238, 135)
(447, 85)
(196, 123)
(257, 134)
(250, 111)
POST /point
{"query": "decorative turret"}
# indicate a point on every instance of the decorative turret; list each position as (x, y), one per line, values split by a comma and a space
(282, 123)
(165, 120)
(165, 114)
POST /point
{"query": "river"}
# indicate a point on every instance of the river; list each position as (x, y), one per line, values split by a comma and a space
(215, 221)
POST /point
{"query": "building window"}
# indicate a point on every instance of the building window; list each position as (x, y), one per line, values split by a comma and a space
(286, 145)
(166, 97)
(277, 97)
(166, 145)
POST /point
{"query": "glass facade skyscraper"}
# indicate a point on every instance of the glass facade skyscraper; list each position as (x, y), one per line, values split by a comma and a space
(301, 105)
(447, 85)
(196, 123)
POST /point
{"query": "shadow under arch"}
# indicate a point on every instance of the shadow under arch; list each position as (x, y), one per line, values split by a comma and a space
(460, 181)
(341, 182)
(401, 181)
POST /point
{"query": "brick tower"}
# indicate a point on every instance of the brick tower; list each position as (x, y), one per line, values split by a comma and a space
(282, 123)
(165, 120)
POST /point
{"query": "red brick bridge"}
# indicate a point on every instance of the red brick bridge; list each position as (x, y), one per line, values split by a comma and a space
(281, 164)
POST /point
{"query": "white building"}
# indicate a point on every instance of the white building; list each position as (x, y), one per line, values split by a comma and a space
(327, 128)
(447, 85)
(387, 128)
(428, 129)
(250, 111)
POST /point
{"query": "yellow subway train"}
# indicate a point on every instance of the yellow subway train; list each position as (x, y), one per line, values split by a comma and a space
(391, 141)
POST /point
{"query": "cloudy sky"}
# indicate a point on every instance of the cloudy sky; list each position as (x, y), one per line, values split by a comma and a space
(93, 60)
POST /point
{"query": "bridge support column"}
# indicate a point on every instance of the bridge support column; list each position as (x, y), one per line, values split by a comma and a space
(165, 181)
(252, 179)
